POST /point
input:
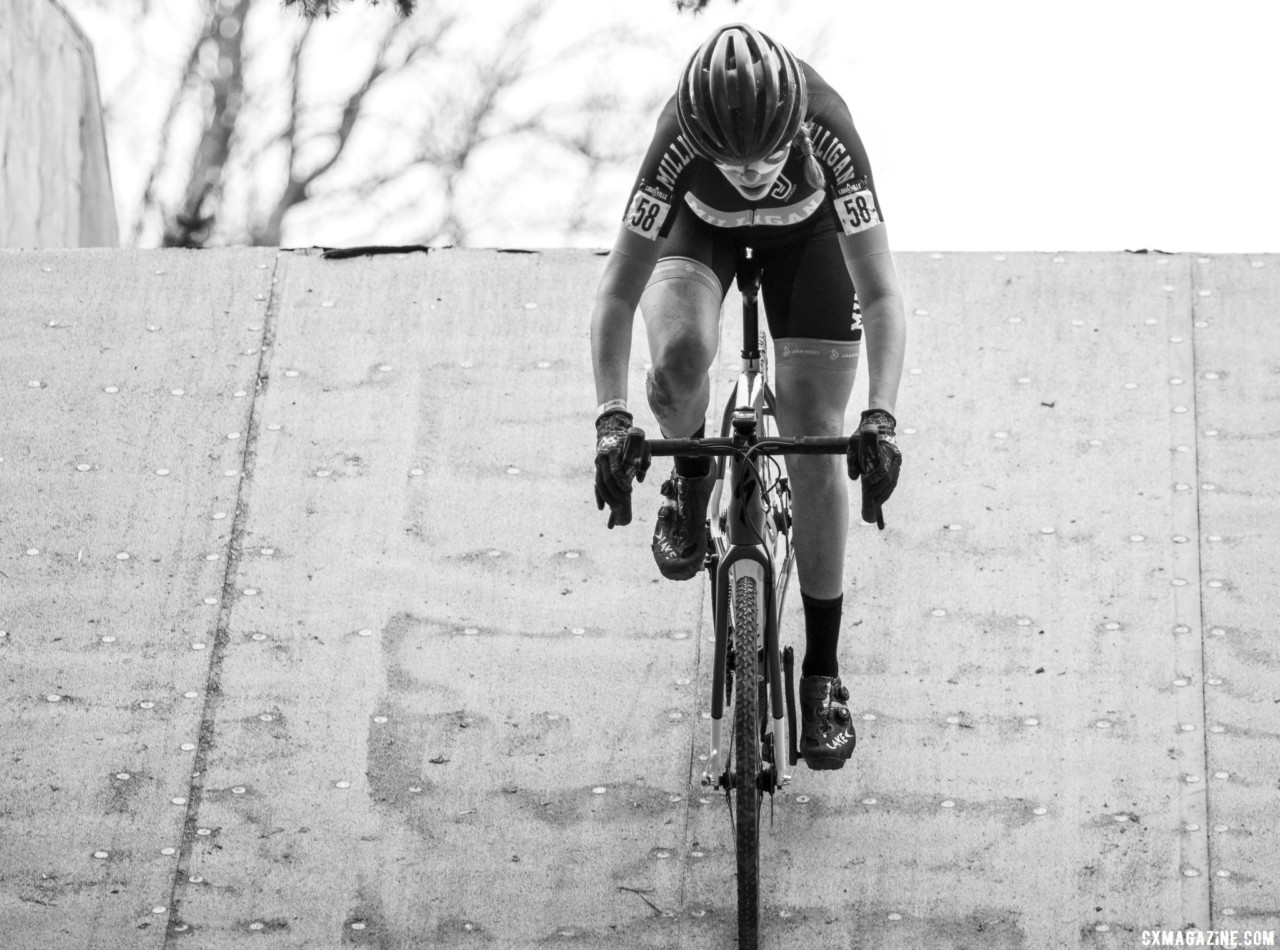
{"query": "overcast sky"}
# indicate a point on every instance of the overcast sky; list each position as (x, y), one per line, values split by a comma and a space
(1024, 125)
(992, 124)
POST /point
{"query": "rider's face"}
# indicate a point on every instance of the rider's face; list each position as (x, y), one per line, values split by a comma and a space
(754, 180)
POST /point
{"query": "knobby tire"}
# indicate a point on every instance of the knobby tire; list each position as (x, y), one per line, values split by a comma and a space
(746, 757)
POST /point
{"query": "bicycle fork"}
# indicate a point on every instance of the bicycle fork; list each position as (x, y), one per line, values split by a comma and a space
(779, 741)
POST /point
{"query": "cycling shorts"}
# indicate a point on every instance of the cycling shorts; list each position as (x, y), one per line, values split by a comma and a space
(804, 281)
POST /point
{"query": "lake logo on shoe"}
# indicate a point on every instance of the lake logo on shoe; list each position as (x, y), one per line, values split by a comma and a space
(839, 740)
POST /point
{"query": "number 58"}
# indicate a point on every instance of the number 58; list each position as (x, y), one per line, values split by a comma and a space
(645, 214)
(856, 208)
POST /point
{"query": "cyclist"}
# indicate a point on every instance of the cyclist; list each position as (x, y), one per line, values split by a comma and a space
(756, 150)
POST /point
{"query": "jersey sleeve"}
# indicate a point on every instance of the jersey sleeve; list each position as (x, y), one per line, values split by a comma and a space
(661, 183)
(844, 162)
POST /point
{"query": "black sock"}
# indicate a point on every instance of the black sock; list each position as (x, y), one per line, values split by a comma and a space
(694, 467)
(821, 635)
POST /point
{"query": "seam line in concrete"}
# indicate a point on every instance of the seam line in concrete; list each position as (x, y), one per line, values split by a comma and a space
(1193, 336)
(1195, 884)
(221, 636)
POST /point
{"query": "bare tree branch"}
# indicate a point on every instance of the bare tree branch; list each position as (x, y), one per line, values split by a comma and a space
(294, 189)
(191, 225)
(693, 6)
(326, 8)
(166, 129)
(298, 185)
(270, 141)
(290, 134)
(351, 110)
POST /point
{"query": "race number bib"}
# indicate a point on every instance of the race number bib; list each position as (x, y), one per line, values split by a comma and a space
(856, 207)
(649, 209)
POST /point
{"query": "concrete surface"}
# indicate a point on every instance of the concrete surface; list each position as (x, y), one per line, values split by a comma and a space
(379, 676)
(55, 180)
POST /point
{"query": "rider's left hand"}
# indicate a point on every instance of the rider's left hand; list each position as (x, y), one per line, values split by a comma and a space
(617, 463)
(874, 455)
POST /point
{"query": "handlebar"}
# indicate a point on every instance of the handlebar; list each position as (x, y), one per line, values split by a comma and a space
(635, 445)
(774, 445)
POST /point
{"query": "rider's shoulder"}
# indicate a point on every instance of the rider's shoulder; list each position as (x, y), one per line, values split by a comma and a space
(666, 128)
(667, 116)
(823, 97)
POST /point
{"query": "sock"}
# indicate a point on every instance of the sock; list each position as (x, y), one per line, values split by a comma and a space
(821, 635)
(694, 467)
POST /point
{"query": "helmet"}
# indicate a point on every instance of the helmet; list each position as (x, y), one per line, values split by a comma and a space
(741, 97)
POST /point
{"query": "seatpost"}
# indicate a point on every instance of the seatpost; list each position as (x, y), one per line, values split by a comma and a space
(749, 287)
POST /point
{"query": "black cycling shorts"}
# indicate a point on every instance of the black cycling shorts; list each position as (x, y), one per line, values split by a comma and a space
(803, 278)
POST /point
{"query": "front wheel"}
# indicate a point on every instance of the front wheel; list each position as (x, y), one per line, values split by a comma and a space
(746, 756)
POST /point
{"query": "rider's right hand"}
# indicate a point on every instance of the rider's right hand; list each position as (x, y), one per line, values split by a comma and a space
(613, 471)
(874, 455)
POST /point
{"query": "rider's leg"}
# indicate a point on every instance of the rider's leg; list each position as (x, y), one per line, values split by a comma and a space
(817, 339)
(813, 390)
(681, 310)
(817, 335)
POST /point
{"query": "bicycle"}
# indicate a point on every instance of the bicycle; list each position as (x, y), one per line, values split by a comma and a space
(749, 562)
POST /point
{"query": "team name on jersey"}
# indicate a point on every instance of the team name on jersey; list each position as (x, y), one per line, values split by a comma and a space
(776, 217)
(831, 152)
(674, 160)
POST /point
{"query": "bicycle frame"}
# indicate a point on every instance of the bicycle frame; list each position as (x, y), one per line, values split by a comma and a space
(745, 539)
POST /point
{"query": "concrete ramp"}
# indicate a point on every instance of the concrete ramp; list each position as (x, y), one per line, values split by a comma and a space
(312, 635)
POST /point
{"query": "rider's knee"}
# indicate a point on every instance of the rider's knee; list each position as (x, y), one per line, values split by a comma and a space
(681, 307)
(669, 395)
(680, 367)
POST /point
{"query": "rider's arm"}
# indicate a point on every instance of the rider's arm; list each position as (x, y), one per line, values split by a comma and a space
(626, 271)
(862, 239)
(870, 264)
(651, 210)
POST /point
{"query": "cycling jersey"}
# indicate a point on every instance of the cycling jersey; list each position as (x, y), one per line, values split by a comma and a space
(673, 182)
